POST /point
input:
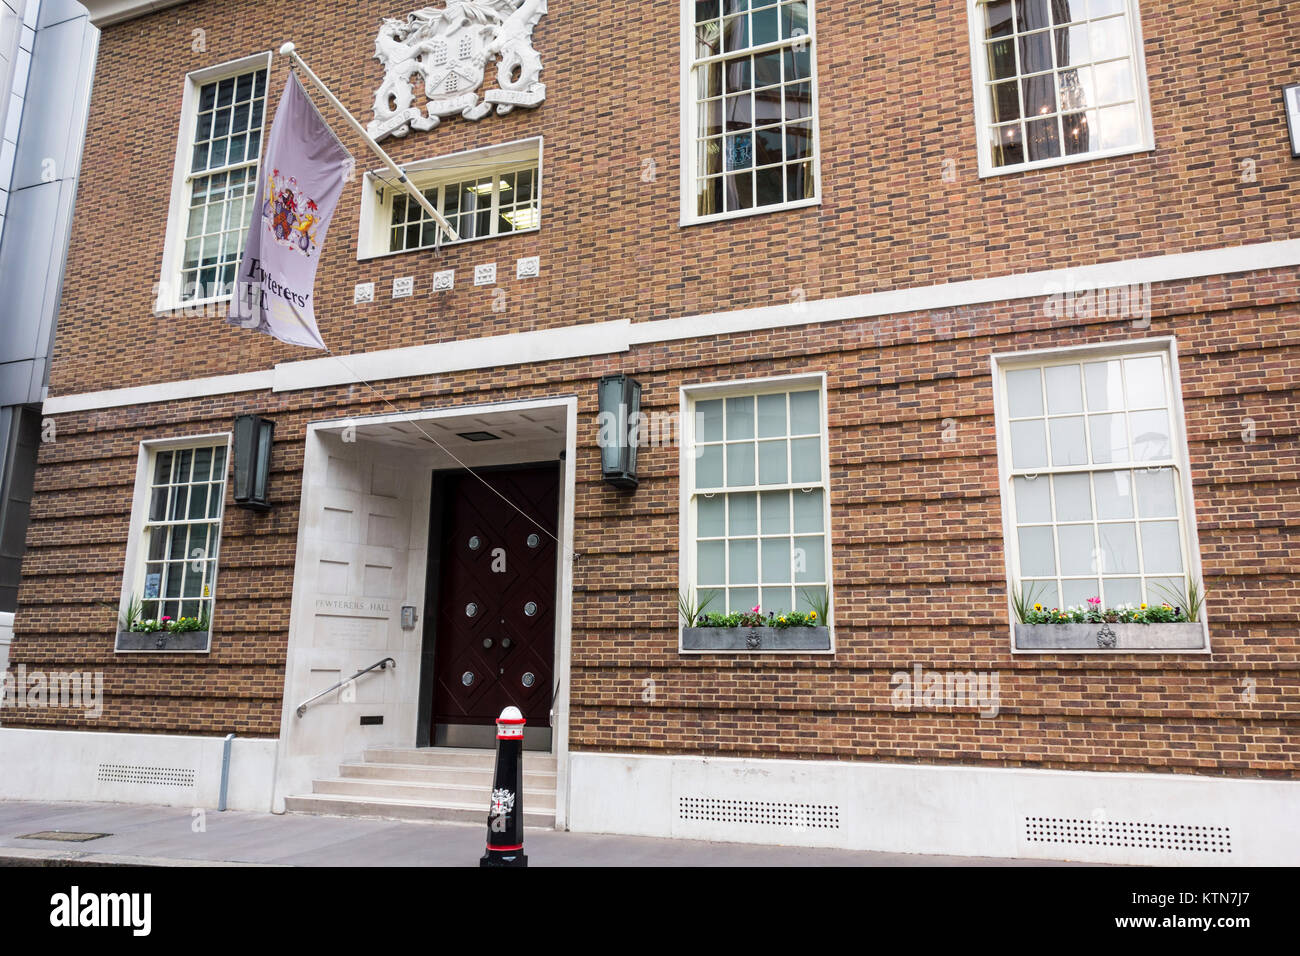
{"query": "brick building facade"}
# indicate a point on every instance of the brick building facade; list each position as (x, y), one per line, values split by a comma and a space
(916, 276)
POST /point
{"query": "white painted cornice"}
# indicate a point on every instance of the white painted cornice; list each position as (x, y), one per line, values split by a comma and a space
(105, 13)
(621, 335)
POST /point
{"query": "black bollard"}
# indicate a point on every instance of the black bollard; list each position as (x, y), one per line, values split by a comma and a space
(505, 842)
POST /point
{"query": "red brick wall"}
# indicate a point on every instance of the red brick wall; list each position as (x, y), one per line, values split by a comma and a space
(895, 104)
(917, 555)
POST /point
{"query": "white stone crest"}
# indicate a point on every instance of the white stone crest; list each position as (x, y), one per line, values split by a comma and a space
(450, 50)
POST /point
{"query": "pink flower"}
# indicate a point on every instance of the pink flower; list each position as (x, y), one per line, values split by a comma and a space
(754, 609)
(1094, 600)
(165, 618)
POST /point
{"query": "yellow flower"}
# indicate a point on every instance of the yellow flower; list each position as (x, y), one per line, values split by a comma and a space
(1038, 607)
(782, 619)
(1142, 606)
(812, 614)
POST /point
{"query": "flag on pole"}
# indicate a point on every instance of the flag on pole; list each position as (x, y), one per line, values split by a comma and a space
(302, 177)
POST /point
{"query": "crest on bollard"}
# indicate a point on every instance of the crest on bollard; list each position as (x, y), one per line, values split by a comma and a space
(505, 840)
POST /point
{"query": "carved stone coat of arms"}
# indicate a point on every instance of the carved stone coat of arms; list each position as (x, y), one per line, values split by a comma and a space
(450, 51)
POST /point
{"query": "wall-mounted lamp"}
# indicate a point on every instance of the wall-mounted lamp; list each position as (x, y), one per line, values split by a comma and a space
(619, 420)
(253, 461)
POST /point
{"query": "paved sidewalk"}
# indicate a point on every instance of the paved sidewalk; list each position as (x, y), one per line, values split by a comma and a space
(165, 836)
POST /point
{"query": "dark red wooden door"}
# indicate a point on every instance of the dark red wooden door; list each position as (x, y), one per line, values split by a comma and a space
(495, 642)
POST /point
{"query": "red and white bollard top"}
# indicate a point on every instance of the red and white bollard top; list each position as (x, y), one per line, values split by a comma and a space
(510, 725)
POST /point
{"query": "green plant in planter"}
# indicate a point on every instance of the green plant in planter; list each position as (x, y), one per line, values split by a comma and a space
(690, 608)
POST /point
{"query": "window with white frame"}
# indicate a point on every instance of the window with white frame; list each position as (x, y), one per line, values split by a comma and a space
(1057, 81)
(1095, 478)
(181, 532)
(750, 126)
(222, 123)
(494, 191)
(758, 502)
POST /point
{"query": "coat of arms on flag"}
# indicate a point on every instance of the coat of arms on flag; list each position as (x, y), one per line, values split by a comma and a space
(305, 168)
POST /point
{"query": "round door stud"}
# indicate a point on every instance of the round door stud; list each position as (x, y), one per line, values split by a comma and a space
(471, 609)
(534, 541)
(475, 543)
(531, 608)
(487, 642)
(529, 679)
(467, 678)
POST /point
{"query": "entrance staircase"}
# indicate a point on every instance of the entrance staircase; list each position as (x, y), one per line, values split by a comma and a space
(436, 783)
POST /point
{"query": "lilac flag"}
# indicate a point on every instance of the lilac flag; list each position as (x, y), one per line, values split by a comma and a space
(302, 176)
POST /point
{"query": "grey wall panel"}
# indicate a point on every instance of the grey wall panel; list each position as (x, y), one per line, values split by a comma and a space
(52, 125)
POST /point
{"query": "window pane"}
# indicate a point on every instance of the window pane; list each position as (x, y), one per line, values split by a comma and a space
(1109, 438)
(805, 460)
(1028, 445)
(1118, 548)
(1114, 496)
(777, 562)
(1150, 435)
(805, 597)
(711, 517)
(1104, 385)
(1037, 558)
(1068, 445)
(740, 465)
(1162, 551)
(742, 556)
(708, 467)
(1122, 591)
(1077, 547)
(1064, 392)
(772, 463)
(708, 420)
(1075, 593)
(1146, 382)
(1156, 494)
(810, 559)
(771, 416)
(740, 418)
(1033, 504)
(742, 514)
(805, 413)
(1073, 497)
(1165, 591)
(809, 513)
(776, 601)
(709, 561)
(775, 507)
(1024, 392)
(742, 599)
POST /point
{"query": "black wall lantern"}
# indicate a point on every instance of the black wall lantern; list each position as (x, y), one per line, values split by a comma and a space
(253, 461)
(619, 420)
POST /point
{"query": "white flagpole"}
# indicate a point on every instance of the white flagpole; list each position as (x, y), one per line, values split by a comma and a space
(290, 51)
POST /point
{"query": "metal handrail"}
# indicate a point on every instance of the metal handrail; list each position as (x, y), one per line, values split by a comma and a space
(380, 665)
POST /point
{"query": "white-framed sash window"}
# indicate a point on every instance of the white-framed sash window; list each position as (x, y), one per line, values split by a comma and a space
(1092, 454)
(1057, 81)
(749, 108)
(219, 148)
(756, 500)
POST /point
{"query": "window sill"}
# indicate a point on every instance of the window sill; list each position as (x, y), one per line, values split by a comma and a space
(745, 213)
(1110, 638)
(755, 640)
(186, 642)
(989, 172)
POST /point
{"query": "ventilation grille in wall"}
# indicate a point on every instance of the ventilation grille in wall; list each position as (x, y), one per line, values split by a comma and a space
(134, 773)
(794, 816)
(1149, 836)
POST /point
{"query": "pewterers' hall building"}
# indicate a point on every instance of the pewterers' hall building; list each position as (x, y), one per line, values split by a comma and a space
(929, 314)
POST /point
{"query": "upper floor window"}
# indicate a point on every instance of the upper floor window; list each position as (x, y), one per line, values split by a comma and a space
(494, 191)
(1057, 81)
(749, 125)
(222, 121)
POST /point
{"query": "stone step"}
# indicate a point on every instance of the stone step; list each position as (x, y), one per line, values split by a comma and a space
(454, 757)
(533, 779)
(431, 793)
(340, 805)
